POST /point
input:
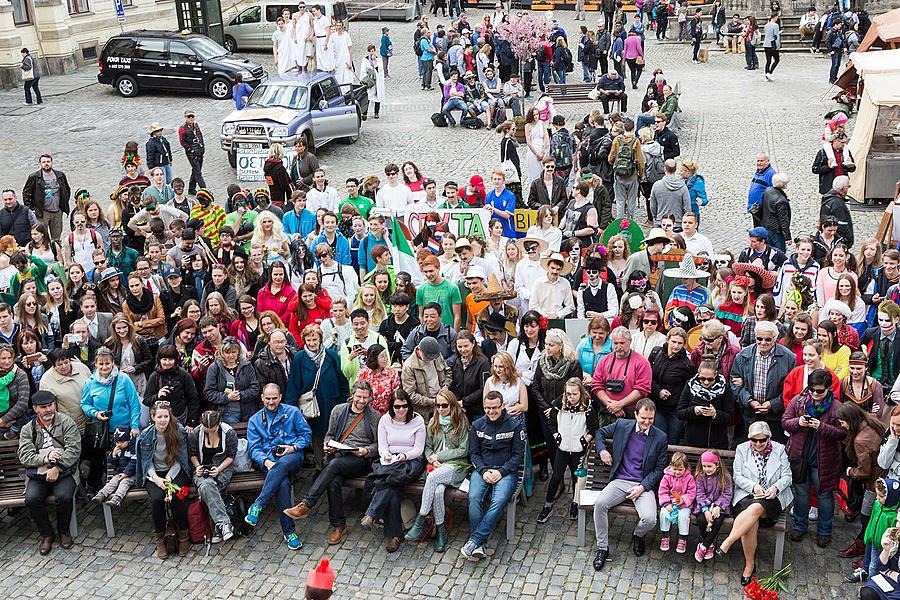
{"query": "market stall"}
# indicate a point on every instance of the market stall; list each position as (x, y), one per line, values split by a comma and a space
(875, 143)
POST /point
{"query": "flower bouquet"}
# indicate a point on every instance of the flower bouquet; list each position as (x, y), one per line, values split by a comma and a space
(768, 588)
(180, 492)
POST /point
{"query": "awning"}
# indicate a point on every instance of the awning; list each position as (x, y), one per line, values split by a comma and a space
(878, 61)
(885, 31)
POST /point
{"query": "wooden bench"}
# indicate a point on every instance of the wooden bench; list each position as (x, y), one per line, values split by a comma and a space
(12, 482)
(598, 475)
(572, 93)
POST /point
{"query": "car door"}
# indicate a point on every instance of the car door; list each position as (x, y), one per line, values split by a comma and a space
(247, 28)
(331, 117)
(185, 67)
(151, 62)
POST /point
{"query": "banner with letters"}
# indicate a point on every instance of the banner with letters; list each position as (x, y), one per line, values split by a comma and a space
(462, 222)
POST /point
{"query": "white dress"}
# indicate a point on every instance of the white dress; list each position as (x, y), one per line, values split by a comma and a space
(534, 164)
(341, 44)
(324, 56)
(299, 34)
(376, 93)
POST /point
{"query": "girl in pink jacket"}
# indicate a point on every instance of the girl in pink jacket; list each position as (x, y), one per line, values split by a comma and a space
(677, 491)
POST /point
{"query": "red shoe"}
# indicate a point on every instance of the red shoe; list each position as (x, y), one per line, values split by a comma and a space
(857, 548)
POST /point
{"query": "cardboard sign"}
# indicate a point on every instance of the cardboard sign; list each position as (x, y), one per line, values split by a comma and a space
(463, 222)
(250, 161)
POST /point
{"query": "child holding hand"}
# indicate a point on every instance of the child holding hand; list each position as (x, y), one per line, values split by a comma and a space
(677, 491)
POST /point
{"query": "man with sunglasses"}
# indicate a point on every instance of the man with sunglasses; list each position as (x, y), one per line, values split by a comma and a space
(757, 378)
(393, 196)
(596, 297)
(530, 270)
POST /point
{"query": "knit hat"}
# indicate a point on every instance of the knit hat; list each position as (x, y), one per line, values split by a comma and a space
(81, 194)
(322, 577)
(430, 348)
(262, 192)
(122, 189)
(205, 194)
(121, 434)
(758, 232)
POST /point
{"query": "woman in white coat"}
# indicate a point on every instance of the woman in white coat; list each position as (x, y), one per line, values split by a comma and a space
(371, 64)
(342, 45)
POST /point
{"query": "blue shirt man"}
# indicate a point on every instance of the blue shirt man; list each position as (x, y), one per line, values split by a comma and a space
(761, 180)
(501, 203)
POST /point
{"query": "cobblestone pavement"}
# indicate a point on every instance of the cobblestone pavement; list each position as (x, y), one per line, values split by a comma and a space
(729, 115)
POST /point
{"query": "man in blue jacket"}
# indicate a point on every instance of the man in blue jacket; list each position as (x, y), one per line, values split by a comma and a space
(639, 455)
(761, 180)
(496, 449)
(276, 437)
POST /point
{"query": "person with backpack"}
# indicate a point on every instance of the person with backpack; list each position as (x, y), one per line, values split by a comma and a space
(213, 447)
(562, 148)
(627, 162)
(562, 60)
(81, 243)
(653, 170)
(670, 196)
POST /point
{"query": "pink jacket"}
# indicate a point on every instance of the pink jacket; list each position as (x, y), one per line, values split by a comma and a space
(633, 47)
(683, 486)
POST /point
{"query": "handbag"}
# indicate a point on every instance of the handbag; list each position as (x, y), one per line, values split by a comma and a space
(171, 535)
(96, 433)
(594, 94)
(509, 169)
(799, 470)
(28, 75)
(639, 60)
(308, 403)
(368, 79)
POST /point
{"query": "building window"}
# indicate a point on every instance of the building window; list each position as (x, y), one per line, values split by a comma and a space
(21, 14)
(127, 2)
(77, 7)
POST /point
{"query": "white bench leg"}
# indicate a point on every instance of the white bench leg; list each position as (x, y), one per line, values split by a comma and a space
(779, 550)
(510, 520)
(582, 524)
(108, 519)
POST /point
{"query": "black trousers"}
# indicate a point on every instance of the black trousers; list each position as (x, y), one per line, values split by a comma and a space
(158, 503)
(505, 71)
(623, 105)
(196, 162)
(608, 19)
(36, 492)
(561, 460)
(330, 481)
(645, 187)
(603, 64)
(772, 59)
(708, 538)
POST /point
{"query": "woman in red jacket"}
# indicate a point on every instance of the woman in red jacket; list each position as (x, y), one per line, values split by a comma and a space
(307, 308)
(277, 294)
(795, 382)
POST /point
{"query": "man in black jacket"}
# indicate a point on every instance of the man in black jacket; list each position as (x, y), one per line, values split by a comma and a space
(191, 139)
(47, 193)
(397, 326)
(775, 212)
(604, 41)
(159, 152)
(666, 138)
(834, 204)
(882, 343)
(16, 219)
(827, 169)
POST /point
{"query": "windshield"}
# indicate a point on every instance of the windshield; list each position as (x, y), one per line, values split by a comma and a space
(206, 48)
(285, 96)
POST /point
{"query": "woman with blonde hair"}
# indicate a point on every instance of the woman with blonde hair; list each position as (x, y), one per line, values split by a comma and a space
(557, 364)
(369, 299)
(619, 251)
(696, 185)
(269, 232)
(217, 308)
(118, 200)
(132, 354)
(447, 451)
(29, 316)
(232, 387)
(96, 220)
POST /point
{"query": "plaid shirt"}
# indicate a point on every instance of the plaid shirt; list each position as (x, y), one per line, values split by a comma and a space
(760, 374)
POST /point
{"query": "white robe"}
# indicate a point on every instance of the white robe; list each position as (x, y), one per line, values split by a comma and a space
(340, 44)
(376, 93)
(284, 40)
(324, 56)
(300, 29)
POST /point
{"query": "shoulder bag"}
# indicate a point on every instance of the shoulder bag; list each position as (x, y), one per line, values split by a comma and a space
(96, 432)
(508, 167)
(308, 403)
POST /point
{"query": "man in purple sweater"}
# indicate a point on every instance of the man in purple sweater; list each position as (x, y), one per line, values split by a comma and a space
(639, 455)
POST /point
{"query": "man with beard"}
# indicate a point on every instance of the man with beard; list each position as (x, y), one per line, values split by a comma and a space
(47, 192)
(191, 139)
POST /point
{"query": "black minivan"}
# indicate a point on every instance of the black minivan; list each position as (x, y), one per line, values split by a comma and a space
(166, 60)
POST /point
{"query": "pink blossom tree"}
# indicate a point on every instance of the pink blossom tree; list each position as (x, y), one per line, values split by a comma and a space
(523, 34)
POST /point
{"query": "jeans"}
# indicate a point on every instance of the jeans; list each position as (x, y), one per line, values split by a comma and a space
(672, 425)
(33, 85)
(776, 240)
(482, 523)
(330, 481)
(427, 71)
(384, 64)
(613, 495)
(635, 70)
(836, 56)
(801, 505)
(772, 59)
(231, 417)
(455, 8)
(386, 505)
(210, 490)
(454, 104)
(158, 503)
(36, 492)
(644, 120)
(167, 171)
(561, 75)
(587, 74)
(870, 559)
(278, 485)
(750, 56)
(543, 74)
(626, 191)
(515, 104)
(196, 162)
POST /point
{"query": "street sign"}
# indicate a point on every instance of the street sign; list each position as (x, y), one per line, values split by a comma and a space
(120, 10)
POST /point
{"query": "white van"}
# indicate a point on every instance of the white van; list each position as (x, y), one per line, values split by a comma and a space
(250, 26)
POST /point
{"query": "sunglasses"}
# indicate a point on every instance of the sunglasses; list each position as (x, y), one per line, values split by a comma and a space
(763, 339)
(392, 173)
(162, 404)
(99, 262)
(650, 321)
(441, 405)
(759, 440)
(818, 391)
(710, 340)
(399, 406)
(706, 379)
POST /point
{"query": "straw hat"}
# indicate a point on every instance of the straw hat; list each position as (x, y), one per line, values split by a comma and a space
(493, 291)
(768, 277)
(657, 235)
(686, 270)
(542, 244)
(693, 338)
(567, 267)
(154, 126)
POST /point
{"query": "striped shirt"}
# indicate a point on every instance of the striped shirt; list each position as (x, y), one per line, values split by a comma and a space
(213, 217)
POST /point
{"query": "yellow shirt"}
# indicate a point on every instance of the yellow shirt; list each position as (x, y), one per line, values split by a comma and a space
(839, 362)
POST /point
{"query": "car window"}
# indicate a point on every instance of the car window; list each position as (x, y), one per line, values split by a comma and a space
(273, 11)
(149, 49)
(205, 48)
(330, 89)
(179, 52)
(284, 96)
(120, 47)
(251, 15)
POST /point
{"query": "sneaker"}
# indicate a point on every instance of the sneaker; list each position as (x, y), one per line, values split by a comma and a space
(293, 542)
(682, 546)
(216, 537)
(545, 514)
(98, 498)
(813, 514)
(114, 502)
(664, 544)
(227, 532)
(768, 77)
(858, 575)
(367, 523)
(253, 514)
(478, 552)
(710, 552)
(573, 511)
(468, 550)
(700, 553)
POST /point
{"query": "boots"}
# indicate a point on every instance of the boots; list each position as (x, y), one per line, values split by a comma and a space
(184, 542)
(415, 531)
(440, 537)
(161, 551)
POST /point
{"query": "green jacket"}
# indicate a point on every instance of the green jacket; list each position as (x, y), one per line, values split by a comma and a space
(65, 436)
(38, 270)
(351, 367)
(454, 451)
(669, 107)
(882, 519)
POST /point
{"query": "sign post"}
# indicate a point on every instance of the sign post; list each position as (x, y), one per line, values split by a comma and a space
(120, 14)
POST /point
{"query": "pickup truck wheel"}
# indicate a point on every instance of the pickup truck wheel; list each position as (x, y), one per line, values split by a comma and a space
(232, 159)
(127, 86)
(230, 43)
(219, 88)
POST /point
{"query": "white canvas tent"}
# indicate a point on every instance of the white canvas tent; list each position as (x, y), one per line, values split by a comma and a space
(882, 89)
(884, 61)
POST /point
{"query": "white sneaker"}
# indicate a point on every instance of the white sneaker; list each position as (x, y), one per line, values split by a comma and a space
(768, 77)
(813, 514)
(227, 532)
(478, 552)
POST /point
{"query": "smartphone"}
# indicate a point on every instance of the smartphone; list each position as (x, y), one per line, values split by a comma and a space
(31, 359)
(73, 338)
(229, 386)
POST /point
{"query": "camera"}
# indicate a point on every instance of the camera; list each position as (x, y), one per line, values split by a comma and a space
(205, 472)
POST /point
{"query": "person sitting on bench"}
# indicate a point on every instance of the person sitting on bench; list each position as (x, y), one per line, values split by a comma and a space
(612, 87)
(639, 456)
(454, 99)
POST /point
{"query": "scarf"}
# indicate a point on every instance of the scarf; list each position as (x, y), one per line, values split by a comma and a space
(703, 395)
(109, 378)
(761, 458)
(866, 397)
(140, 306)
(554, 371)
(316, 356)
(817, 410)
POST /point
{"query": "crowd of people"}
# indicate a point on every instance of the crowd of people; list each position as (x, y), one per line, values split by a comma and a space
(137, 346)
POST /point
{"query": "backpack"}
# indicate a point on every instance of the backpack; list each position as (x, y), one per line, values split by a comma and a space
(237, 510)
(561, 148)
(594, 156)
(655, 167)
(95, 239)
(417, 47)
(624, 164)
(570, 66)
(199, 528)
(471, 122)
(439, 119)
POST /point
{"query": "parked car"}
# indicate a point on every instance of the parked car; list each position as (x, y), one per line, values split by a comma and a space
(253, 26)
(308, 105)
(190, 62)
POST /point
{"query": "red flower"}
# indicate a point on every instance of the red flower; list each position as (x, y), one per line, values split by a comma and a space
(543, 322)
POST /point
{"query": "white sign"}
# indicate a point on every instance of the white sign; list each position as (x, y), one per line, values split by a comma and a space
(250, 162)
